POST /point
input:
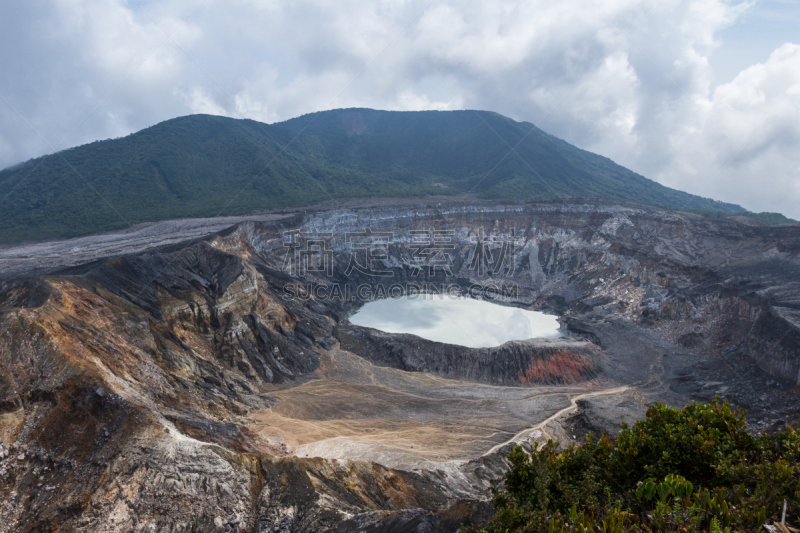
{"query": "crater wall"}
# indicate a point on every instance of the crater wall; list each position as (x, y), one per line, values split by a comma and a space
(215, 384)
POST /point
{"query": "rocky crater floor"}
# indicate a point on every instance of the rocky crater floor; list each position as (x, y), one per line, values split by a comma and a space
(210, 380)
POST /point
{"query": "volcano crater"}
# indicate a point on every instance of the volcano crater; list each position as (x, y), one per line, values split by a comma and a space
(188, 375)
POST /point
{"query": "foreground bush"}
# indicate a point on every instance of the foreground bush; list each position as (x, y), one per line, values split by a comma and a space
(691, 470)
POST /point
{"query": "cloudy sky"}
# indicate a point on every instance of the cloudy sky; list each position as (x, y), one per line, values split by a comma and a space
(701, 95)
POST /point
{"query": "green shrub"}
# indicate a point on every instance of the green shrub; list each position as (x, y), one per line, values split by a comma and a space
(691, 470)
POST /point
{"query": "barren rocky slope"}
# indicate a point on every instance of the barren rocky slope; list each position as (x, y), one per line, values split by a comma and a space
(215, 384)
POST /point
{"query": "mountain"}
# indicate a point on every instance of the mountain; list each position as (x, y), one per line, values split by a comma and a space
(205, 166)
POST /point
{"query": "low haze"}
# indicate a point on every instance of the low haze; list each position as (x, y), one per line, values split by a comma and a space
(700, 95)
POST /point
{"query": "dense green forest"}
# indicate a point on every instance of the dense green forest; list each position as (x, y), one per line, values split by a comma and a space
(204, 166)
(693, 470)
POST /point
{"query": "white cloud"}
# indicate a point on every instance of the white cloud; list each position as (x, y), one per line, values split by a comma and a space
(742, 143)
(200, 102)
(409, 101)
(630, 79)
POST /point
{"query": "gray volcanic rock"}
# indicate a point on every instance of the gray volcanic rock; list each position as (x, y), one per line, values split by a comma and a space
(777, 332)
(603, 416)
(215, 384)
(513, 363)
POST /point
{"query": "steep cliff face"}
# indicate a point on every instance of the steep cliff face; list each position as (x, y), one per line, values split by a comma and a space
(515, 363)
(217, 385)
(703, 285)
(775, 336)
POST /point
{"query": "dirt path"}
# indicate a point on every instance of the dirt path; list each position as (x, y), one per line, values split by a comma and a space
(542, 426)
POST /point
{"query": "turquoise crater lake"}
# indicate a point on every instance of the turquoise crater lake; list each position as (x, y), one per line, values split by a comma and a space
(461, 321)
